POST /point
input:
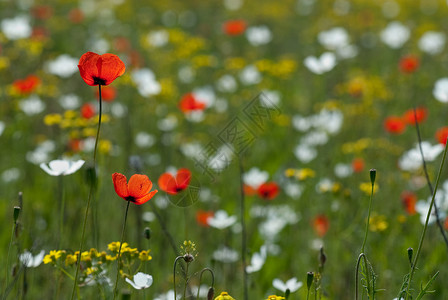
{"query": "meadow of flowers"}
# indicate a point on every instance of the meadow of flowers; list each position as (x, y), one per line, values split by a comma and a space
(230, 149)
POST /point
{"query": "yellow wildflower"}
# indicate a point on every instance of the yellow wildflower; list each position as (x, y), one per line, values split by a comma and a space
(52, 119)
(71, 259)
(366, 187)
(224, 296)
(305, 173)
(111, 258)
(378, 223)
(53, 256)
(105, 146)
(85, 256)
(290, 172)
(144, 255)
(273, 297)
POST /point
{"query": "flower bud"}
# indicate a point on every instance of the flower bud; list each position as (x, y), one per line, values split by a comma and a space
(410, 254)
(309, 279)
(16, 213)
(147, 233)
(211, 293)
(372, 175)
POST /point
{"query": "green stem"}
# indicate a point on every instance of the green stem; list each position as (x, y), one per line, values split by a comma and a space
(90, 197)
(186, 281)
(200, 280)
(426, 222)
(174, 275)
(243, 226)
(62, 199)
(368, 219)
(119, 249)
(7, 257)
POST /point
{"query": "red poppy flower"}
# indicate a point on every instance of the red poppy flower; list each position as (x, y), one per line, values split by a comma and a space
(409, 117)
(249, 191)
(189, 103)
(98, 69)
(446, 224)
(394, 125)
(321, 224)
(136, 191)
(108, 93)
(409, 199)
(409, 64)
(358, 165)
(42, 12)
(27, 85)
(268, 190)
(234, 27)
(87, 111)
(173, 185)
(442, 135)
(202, 217)
(76, 15)
(75, 145)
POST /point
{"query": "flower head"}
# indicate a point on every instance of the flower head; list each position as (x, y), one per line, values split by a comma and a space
(292, 285)
(189, 103)
(98, 69)
(234, 27)
(26, 85)
(274, 297)
(394, 125)
(141, 281)
(136, 191)
(321, 225)
(62, 167)
(29, 260)
(224, 296)
(268, 190)
(409, 64)
(173, 185)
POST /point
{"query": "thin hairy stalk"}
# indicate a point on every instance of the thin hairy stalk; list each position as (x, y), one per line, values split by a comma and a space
(368, 219)
(119, 249)
(90, 196)
(362, 255)
(62, 200)
(186, 282)
(431, 190)
(243, 226)
(200, 279)
(174, 275)
(417, 255)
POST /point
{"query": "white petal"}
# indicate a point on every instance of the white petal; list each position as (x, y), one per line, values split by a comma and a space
(133, 284)
(74, 166)
(48, 170)
(59, 166)
(279, 285)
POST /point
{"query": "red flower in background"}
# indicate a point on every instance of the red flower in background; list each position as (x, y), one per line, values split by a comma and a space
(358, 165)
(189, 103)
(409, 63)
(137, 190)
(446, 224)
(108, 93)
(394, 125)
(248, 190)
(234, 27)
(173, 185)
(42, 12)
(98, 69)
(87, 111)
(202, 217)
(321, 224)
(76, 16)
(442, 135)
(268, 190)
(27, 85)
(410, 117)
(409, 199)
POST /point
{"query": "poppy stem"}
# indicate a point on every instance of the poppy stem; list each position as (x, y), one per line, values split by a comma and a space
(368, 218)
(90, 196)
(119, 249)
(243, 226)
(414, 264)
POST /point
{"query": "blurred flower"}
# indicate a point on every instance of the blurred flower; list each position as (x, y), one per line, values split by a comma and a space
(257, 260)
(326, 62)
(409, 199)
(250, 75)
(203, 216)
(366, 188)
(87, 111)
(440, 90)
(234, 27)
(32, 105)
(432, 42)
(10, 175)
(62, 167)
(168, 296)
(140, 281)
(358, 164)
(442, 135)
(158, 38)
(343, 170)
(395, 35)
(76, 15)
(258, 35)
(146, 82)
(394, 125)
(275, 297)
(420, 115)
(189, 103)
(334, 38)
(292, 285)
(69, 101)
(226, 84)
(268, 190)
(221, 220)
(31, 261)
(233, 4)
(136, 191)
(321, 224)
(63, 66)
(100, 69)
(224, 296)
(53, 256)
(255, 177)
(225, 255)
(378, 223)
(412, 160)
(409, 63)
(108, 93)
(173, 185)
(16, 28)
(26, 85)
(144, 139)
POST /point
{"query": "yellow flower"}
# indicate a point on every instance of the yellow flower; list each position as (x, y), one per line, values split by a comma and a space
(378, 223)
(366, 187)
(90, 271)
(305, 173)
(290, 172)
(144, 255)
(85, 256)
(105, 146)
(52, 119)
(111, 258)
(273, 297)
(53, 256)
(71, 259)
(224, 296)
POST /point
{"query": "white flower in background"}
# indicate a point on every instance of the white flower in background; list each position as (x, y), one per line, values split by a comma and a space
(31, 261)
(326, 62)
(221, 220)
(305, 153)
(148, 216)
(346, 52)
(292, 285)
(99, 45)
(186, 74)
(32, 105)
(17, 28)
(203, 291)
(146, 82)
(334, 38)
(118, 110)
(314, 138)
(440, 90)
(221, 159)
(324, 185)
(141, 281)
(250, 75)
(422, 208)
(257, 260)
(412, 160)
(158, 38)
(328, 120)
(258, 35)
(293, 190)
(270, 228)
(191, 150)
(233, 4)
(221, 105)
(195, 116)
(206, 95)
(226, 84)
(432, 42)
(270, 99)
(144, 139)
(62, 167)
(301, 123)
(10, 175)
(69, 101)
(40, 154)
(63, 66)
(168, 123)
(2, 127)
(168, 296)
(225, 255)
(255, 177)
(343, 170)
(395, 35)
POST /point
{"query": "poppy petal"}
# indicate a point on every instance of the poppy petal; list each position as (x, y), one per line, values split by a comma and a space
(111, 68)
(88, 67)
(120, 185)
(183, 178)
(163, 181)
(141, 200)
(139, 185)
